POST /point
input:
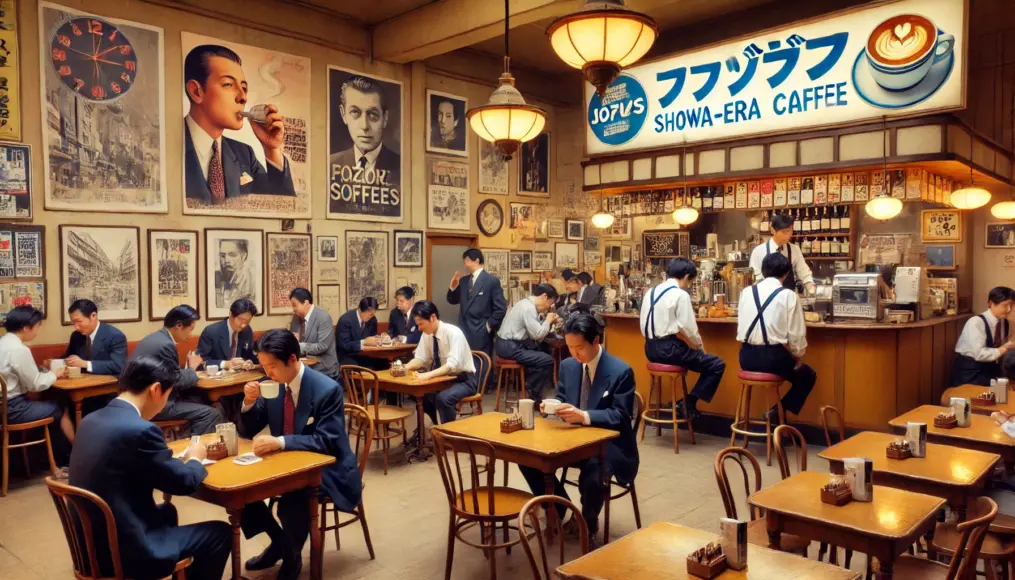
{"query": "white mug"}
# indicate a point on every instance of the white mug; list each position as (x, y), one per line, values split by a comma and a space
(269, 389)
(550, 406)
(56, 364)
(212, 370)
(74, 372)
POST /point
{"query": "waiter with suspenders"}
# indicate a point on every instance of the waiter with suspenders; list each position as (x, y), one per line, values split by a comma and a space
(984, 341)
(782, 232)
(770, 326)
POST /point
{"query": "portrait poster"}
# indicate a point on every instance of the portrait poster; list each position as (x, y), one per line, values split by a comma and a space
(104, 145)
(327, 248)
(534, 167)
(234, 269)
(447, 129)
(566, 254)
(264, 163)
(448, 195)
(15, 179)
(522, 217)
(364, 147)
(289, 267)
(493, 169)
(1000, 235)
(366, 267)
(21, 294)
(497, 263)
(21, 251)
(10, 76)
(542, 260)
(172, 271)
(408, 249)
(102, 264)
(329, 297)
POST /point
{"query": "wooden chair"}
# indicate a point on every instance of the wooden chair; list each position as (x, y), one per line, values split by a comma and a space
(171, 429)
(826, 412)
(360, 426)
(951, 539)
(969, 538)
(757, 532)
(474, 501)
(361, 388)
(483, 367)
(23, 428)
(72, 505)
(510, 377)
(529, 519)
(797, 438)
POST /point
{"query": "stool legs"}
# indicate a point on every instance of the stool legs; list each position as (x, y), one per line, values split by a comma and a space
(510, 378)
(742, 420)
(654, 409)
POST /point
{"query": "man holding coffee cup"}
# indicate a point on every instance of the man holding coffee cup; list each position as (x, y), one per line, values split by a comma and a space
(94, 347)
(521, 335)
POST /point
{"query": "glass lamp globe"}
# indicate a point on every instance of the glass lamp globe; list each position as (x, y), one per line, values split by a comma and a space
(1004, 210)
(970, 197)
(884, 208)
(602, 220)
(685, 215)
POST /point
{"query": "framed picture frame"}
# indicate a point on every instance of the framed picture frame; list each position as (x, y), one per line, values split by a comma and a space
(522, 218)
(941, 257)
(566, 254)
(173, 271)
(576, 230)
(555, 228)
(592, 243)
(25, 255)
(490, 217)
(534, 167)
(497, 262)
(366, 267)
(1000, 235)
(621, 229)
(289, 267)
(21, 293)
(447, 130)
(329, 297)
(103, 264)
(447, 195)
(408, 249)
(16, 189)
(521, 261)
(542, 260)
(941, 225)
(327, 248)
(234, 269)
(493, 169)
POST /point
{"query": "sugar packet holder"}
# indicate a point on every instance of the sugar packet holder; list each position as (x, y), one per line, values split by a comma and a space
(961, 408)
(733, 537)
(707, 562)
(916, 435)
(860, 475)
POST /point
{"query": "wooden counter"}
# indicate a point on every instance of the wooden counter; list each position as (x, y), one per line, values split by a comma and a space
(872, 372)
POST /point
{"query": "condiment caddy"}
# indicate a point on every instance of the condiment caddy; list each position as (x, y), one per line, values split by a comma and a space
(707, 562)
(836, 492)
(898, 449)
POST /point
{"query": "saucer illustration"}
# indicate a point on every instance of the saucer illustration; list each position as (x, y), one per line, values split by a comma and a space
(873, 93)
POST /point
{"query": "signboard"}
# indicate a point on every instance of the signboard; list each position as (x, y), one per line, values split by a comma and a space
(897, 58)
(666, 243)
(941, 225)
(10, 96)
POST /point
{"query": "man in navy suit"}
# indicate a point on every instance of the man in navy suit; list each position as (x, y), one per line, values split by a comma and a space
(94, 347)
(356, 329)
(217, 167)
(308, 414)
(230, 340)
(596, 389)
(123, 458)
(400, 322)
(481, 299)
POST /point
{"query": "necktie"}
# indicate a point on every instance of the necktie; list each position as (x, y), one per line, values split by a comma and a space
(303, 328)
(289, 412)
(781, 249)
(88, 346)
(216, 178)
(232, 347)
(470, 284)
(998, 339)
(436, 364)
(363, 162)
(583, 403)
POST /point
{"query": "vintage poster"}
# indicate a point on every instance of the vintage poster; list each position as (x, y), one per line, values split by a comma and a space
(261, 123)
(447, 127)
(408, 249)
(102, 264)
(234, 269)
(448, 195)
(493, 169)
(329, 297)
(288, 268)
(364, 147)
(366, 267)
(999, 235)
(566, 254)
(21, 294)
(15, 180)
(542, 260)
(28, 254)
(593, 259)
(172, 271)
(522, 217)
(497, 263)
(10, 76)
(534, 167)
(6, 254)
(104, 141)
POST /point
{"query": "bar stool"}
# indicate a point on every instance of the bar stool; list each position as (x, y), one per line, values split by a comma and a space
(653, 411)
(559, 348)
(742, 421)
(171, 429)
(510, 375)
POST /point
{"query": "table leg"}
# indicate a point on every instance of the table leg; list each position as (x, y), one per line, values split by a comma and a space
(774, 539)
(316, 545)
(77, 411)
(885, 569)
(420, 454)
(604, 478)
(234, 521)
(549, 485)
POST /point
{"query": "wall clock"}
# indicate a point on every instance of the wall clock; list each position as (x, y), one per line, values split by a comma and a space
(94, 59)
(490, 217)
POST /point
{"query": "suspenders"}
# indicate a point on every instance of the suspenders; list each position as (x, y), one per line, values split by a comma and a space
(650, 320)
(986, 329)
(761, 313)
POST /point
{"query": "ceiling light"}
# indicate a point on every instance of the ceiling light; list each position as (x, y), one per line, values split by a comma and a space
(1004, 210)
(883, 207)
(602, 220)
(970, 197)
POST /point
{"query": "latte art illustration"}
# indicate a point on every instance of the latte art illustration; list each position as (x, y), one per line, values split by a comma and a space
(903, 42)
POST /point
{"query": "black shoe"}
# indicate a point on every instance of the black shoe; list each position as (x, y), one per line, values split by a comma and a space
(682, 413)
(267, 559)
(772, 415)
(291, 568)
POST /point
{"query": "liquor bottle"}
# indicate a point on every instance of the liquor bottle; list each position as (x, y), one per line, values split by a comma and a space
(826, 220)
(836, 220)
(696, 199)
(805, 248)
(826, 247)
(706, 199)
(844, 222)
(805, 221)
(765, 222)
(815, 247)
(815, 220)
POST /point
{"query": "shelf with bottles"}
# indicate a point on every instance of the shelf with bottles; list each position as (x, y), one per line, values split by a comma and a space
(820, 221)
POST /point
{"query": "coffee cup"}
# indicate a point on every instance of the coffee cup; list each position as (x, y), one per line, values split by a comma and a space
(74, 372)
(56, 364)
(902, 49)
(550, 406)
(212, 370)
(269, 389)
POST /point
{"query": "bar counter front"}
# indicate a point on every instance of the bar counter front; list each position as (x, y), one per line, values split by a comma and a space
(872, 372)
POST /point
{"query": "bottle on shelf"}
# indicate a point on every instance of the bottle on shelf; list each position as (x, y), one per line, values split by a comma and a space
(816, 247)
(826, 247)
(805, 247)
(815, 221)
(706, 199)
(805, 221)
(765, 222)
(836, 220)
(826, 220)
(844, 222)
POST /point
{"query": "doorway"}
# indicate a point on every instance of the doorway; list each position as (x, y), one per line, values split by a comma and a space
(444, 257)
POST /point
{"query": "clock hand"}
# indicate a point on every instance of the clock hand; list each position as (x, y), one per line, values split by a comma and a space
(108, 50)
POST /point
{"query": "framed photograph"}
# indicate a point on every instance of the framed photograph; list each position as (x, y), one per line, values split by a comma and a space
(493, 169)
(21, 294)
(521, 261)
(498, 263)
(289, 267)
(490, 217)
(555, 228)
(327, 248)
(941, 257)
(366, 267)
(172, 271)
(408, 249)
(1001, 235)
(576, 230)
(447, 195)
(542, 260)
(523, 219)
(534, 167)
(102, 264)
(941, 225)
(22, 252)
(625, 253)
(447, 127)
(566, 255)
(329, 297)
(592, 244)
(593, 259)
(621, 229)
(234, 269)
(15, 181)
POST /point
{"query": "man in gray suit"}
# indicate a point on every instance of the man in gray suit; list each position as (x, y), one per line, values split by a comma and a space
(589, 292)
(178, 327)
(313, 327)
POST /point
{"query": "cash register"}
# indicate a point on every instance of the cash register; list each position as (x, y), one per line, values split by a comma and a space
(856, 295)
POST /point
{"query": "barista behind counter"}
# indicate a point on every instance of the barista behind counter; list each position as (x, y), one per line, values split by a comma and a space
(782, 233)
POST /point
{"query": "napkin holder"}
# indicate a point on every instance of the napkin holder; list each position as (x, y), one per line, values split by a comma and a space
(946, 421)
(899, 450)
(511, 424)
(985, 399)
(960, 408)
(705, 569)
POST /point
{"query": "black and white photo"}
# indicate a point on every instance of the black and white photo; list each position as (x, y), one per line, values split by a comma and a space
(493, 169)
(521, 261)
(534, 167)
(234, 269)
(448, 195)
(102, 264)
(1000, 235)
(447, 127)
(408, 249)
(327, 248)
(592, 244)
(490, 217)
(366, 267)
(172, 271)
(566, 254)
(575, 230)
(542, 260)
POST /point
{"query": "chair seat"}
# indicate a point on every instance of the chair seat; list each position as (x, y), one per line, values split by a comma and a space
(502, 362)
(995, 547)
(760, 377)
(1003, 524)
(389, 413)
(29, 425)
(912, 568)
(174, 424)
(508, 501)
(471, 398)
(757, 534)
(665, 368)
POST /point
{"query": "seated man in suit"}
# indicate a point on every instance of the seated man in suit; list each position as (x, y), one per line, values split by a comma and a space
(589, 292)
(595, 389)
(123, 459)
(229, 343)
(94, 347)
(443, 350)
(521, 338)
(401, 326)
(308, 414)
(356, 329)
(312, 327)
(178, 327)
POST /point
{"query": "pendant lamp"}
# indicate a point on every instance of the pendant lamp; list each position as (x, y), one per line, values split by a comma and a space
(602, 219)
(685, 215)
(884, 206)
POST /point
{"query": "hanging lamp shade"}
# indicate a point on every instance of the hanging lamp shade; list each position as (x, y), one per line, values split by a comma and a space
(507, 121)
(970, 197)
(602, 220)
(601, 39)
(883, 208)
(685, 215)
(1004, 210)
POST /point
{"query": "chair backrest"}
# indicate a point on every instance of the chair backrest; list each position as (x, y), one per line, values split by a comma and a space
(462, 481)
(3, 404)
(783, 432)
(76, 507)
(980, 512)
(825, 412)
(360, 427)
(361, 388)
(639, 404)
(529, 516)
(483, 368)
(738, 455)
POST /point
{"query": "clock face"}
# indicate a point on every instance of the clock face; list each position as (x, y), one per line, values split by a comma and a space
(94, 59)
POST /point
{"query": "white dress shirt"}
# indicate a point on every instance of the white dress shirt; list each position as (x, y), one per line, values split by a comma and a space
(202, 144)
(799, 264)
(19, 368)
(784, 318)
(973, 340)
(522, 323)
(580, 293)
(673, 312)
(294, 386)
(371, 158)
(92, 338)
(454, 350)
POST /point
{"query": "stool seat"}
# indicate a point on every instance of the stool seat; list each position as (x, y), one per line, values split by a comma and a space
(665, 368)
(505, 361)
(760, 377)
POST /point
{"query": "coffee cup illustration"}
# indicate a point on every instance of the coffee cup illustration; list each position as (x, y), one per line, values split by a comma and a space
(902, 49)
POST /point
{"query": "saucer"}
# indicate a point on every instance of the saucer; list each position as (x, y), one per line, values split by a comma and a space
(874, 94)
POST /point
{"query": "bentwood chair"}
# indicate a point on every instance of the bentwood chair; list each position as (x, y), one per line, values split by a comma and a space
(529, 519)
(474, 501)
(361, 388)
(757, 533)
(827, 412)
(23, 428)
(950, 539)
(76, 508)
(360, 427)
(483, 366)
(969, 537)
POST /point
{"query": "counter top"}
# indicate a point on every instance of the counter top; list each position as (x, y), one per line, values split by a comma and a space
(857, 325)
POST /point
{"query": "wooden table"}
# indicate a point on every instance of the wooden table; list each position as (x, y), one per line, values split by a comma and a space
(234, 486)
(983, 434)
(970, 391)
(952, 473)
(310, 360)
(417, 388)
(389, 353)
(659, 552)
(85, 386)
(884, 528)
(227, 384)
